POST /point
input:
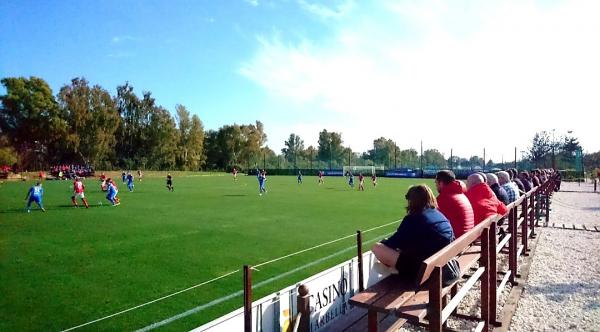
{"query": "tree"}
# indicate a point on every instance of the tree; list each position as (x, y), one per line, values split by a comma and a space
(191, 140)
(161, 139)
(540, 146)
(409, 158)
(568, 147)
(294, 148)
(330, 146)
(433, 157)
(32, 120)
(476, 161)
(93, 120)
(385, 152)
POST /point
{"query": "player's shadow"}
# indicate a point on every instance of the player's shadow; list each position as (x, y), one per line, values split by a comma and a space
(235, 195)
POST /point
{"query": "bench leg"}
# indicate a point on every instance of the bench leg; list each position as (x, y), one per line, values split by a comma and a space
(372, 316)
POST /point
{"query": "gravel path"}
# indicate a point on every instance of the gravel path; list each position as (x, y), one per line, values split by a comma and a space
(563, 289)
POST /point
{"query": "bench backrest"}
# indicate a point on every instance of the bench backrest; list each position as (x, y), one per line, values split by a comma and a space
(453, 249)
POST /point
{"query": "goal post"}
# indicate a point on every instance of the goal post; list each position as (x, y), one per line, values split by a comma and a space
(370, 170)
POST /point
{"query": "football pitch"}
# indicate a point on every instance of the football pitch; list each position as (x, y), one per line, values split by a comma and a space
(70, 266)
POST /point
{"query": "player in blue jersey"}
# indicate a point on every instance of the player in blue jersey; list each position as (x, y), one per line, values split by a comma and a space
(351, 180)
(35, 194)
(262, 179)
(130, 181)
(112, 192)
(299, 177)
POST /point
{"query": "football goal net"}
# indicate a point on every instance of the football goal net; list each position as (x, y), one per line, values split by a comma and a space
(365, 170)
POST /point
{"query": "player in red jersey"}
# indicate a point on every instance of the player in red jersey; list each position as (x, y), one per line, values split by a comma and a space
(361, 182)
(78, 189)
(234, 172)
(374, 179)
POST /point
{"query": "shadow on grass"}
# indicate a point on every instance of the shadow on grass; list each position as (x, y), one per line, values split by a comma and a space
(51, 208)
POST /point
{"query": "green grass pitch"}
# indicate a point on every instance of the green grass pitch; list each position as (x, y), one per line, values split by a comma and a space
(69, 266)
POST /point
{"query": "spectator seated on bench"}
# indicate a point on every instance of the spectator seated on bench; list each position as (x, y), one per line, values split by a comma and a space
(482, 199)
(453, 203)
(422, 233)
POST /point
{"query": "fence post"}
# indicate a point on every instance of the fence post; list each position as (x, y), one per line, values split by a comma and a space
(485, 278)
(524, 226)
(512, 245)
(361, 282)
(303, 302)
(493, 290)
(247, 299)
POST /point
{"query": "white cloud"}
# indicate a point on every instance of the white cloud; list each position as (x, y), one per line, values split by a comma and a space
(252, 2)
(325, 12)
(121, 39)
(485, 75)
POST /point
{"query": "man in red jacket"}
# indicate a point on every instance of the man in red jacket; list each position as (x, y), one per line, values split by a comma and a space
(453, 203)
(483, 200)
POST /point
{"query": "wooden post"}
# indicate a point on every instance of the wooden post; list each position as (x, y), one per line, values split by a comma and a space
(512, 245)
(247, 299)
(493, 291)
(595, 184)
(434, 311)
(531, 214)
(524, 225)
(485, 278)
(372, 321)
(303, 302)
(361, 283)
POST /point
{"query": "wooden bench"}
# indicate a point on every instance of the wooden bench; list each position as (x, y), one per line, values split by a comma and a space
(424, 302)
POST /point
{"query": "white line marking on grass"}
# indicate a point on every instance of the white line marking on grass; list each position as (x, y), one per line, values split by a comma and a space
(321, 245)
(238, 293)
(150, 302)
(226, 275)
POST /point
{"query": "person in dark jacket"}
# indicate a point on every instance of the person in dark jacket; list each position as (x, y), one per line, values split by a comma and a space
(423, 232)
(500, 193)
(524, 177)
(514, 178)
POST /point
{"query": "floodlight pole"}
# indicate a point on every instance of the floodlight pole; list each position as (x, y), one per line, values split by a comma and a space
(451, 160)
(515, 157)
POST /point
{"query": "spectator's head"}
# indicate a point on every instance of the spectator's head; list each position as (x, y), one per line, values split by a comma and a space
(474, 179)
(419, 197)
(443, 178)
(491, 178)
(524, 175)
(483, 176)
(503, 177)
(463, 185)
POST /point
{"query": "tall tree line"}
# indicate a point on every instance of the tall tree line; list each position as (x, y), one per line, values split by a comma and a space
(84, 124)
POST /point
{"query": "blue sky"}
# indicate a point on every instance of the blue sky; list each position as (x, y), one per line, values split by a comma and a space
(445, 72)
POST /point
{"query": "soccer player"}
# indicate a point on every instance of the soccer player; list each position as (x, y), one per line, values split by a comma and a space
(361, 182)
(130, 181)
(140, 175)
(299, 177)
(103, 184)
(351, 180)
(35, 194)
(123, 176)
(170, 182)
(234, 172)
(321, 177)
(262, 178)
(374, 179)
(78, 189)
(112, 193)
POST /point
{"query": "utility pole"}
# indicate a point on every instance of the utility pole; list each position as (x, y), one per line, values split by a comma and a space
(451, 160)
(421, 158)
(483, 168)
